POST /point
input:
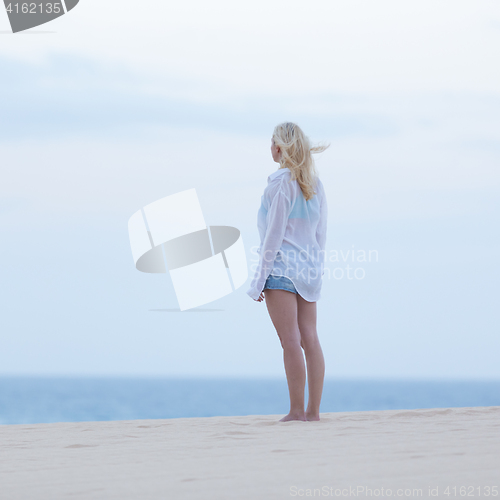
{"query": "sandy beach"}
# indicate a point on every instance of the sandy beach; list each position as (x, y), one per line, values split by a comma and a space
(397, 453)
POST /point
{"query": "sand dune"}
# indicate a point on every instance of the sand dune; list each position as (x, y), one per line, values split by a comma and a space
(256, 457)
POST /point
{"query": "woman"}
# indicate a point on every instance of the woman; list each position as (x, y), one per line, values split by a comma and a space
(292, 226)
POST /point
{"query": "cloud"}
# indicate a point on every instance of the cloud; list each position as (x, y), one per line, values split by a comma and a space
(225, 48)
(79, 95)
(81, 137)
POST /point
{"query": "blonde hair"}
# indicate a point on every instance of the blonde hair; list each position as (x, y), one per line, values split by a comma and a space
(296, 154)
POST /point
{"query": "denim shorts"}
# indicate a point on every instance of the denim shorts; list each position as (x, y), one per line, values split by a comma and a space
(280, 283)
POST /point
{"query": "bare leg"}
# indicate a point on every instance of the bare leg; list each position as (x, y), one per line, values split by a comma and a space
(282, 307)
(306, 318)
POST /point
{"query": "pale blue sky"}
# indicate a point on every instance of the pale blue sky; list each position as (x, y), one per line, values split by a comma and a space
(116, 108)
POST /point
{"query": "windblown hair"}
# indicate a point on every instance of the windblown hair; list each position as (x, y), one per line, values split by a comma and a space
(296, 154)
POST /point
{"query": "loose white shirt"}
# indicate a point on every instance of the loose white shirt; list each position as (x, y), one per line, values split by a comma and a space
(292, 234)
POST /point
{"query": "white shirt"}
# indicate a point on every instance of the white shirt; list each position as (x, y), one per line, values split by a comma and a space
(293, 236)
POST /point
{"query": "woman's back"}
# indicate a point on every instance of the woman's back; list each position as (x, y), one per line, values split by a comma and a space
(293, 233)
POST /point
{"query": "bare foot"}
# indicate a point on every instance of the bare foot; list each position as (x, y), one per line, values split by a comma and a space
(294, 416)
(312, 417)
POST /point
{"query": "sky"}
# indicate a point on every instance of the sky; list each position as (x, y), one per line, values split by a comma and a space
(118, 104)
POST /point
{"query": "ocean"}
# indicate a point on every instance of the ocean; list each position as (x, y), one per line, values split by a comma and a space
(33, 400)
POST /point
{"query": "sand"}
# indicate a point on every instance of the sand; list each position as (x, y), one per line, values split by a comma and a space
(348, 454)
